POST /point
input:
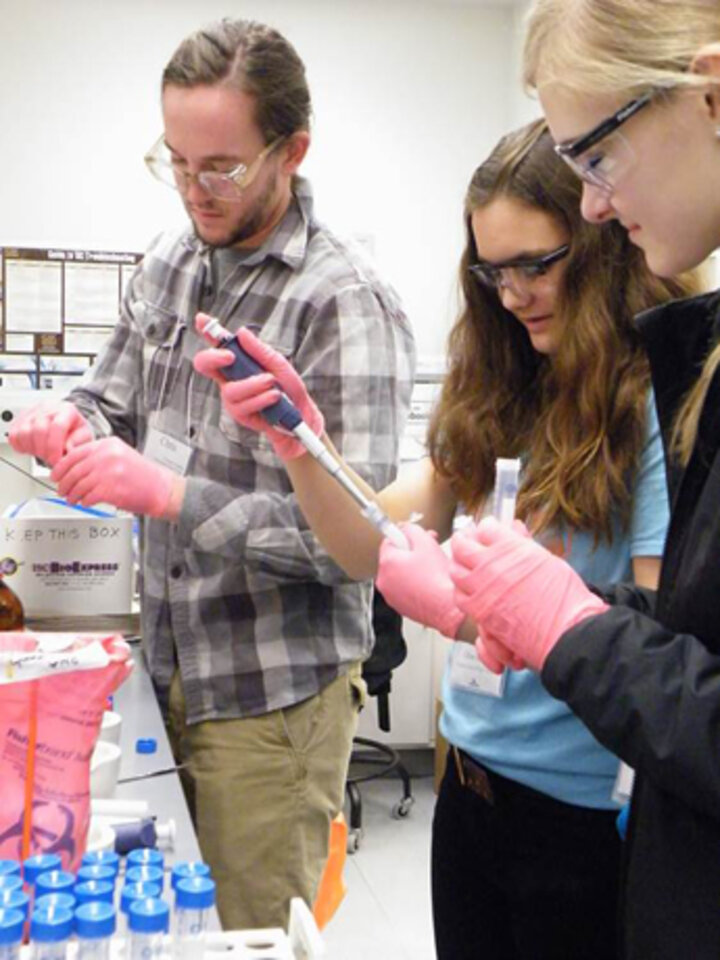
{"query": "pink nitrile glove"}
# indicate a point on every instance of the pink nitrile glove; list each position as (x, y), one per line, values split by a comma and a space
(522, 597)
(416, 581)
(110, 471)
(244, 399)
(49, 429)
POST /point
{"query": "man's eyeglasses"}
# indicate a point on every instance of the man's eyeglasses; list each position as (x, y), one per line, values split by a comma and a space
(517, 274)
(225, 185)
(603, 167)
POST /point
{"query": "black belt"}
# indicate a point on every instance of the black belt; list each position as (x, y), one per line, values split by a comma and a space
(473, 776)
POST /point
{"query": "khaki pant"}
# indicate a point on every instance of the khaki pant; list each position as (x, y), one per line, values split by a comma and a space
(262, 792)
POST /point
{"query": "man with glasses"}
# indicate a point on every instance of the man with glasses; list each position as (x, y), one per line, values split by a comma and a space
(253, 636)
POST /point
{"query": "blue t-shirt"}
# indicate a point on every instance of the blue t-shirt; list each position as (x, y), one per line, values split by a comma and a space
(527, 735)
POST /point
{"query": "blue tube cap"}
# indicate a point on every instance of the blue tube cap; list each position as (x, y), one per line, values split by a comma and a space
(145, 856)
(96, 871)
(145, 873)
(55, 900)
(188, 868)
(94, 890)
(51, 924)
(54, 881)
(11, 926)
(10, 881)
(94, 920)
(102, 858)
(138, 891)
(10, 868)
(15, 900)
(146, 745)
(151, 915)
(195, 893)
(41, 863)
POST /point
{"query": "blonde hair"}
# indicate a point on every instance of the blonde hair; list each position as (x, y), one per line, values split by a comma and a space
(617, 47)
(622, 48)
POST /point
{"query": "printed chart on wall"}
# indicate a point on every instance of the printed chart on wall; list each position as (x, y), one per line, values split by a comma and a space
(58, 307)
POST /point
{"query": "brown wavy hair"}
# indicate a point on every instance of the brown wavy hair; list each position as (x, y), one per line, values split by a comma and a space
(578, 417)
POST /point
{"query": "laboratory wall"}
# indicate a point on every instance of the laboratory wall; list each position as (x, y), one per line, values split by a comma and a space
(409, 95)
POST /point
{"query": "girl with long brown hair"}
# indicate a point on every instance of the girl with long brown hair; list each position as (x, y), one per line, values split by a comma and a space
(544, 364)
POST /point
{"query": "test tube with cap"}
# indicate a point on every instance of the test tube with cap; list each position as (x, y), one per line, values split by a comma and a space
(11, 933)
(131, 892)
(94, 929)
(148, 922)
(50, 930)
(507, 481)
(194, 898)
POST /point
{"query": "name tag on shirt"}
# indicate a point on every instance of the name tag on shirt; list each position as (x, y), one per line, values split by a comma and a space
(622, 791)
(167, 451)
(469, 673)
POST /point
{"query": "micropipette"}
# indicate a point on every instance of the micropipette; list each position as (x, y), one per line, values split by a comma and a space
(285, 414)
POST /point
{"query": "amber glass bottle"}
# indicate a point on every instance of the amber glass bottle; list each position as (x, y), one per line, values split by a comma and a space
(12, 615)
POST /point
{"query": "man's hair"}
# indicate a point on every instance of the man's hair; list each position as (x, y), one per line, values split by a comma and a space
(254, 59)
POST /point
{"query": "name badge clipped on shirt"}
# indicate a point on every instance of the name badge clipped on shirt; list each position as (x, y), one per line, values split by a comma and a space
(622, 791)
(167, 451)
(469, 673)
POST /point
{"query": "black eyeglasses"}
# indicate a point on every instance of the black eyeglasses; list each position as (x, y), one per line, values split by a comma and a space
(517, 274)
(603, 169)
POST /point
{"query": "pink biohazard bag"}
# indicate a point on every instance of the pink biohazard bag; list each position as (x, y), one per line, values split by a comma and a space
(53, 690)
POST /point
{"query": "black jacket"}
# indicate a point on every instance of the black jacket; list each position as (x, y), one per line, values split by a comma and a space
(645, 676)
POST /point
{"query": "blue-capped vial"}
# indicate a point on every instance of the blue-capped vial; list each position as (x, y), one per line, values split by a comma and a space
(94, 929)
(12, 923)
(102, 858)
(50, 930)
(145, 857)
(145, 874)
(97, 871)
(186, 869)
(10, 868)
(10, 881)
(56, 900)
(90, 890)
(128, 894)
(15, 900)
(148, 922)
(40, 863)
(194, 900)
(54, 881)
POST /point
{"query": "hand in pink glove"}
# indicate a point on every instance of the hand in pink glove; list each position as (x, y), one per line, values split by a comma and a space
(109, 471)
(244, 399)
(416, 582)
(522, 597)
(49, 429)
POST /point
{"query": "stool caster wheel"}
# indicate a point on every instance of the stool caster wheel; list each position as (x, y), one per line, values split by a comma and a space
(353, 841)
(402, 808)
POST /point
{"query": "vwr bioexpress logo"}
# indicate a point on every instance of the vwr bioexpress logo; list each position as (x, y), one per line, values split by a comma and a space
(74, 566)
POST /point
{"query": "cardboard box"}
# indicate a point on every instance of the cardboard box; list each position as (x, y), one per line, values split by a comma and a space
(68, 565)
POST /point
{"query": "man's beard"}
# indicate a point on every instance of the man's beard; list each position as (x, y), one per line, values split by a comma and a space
(248, 228)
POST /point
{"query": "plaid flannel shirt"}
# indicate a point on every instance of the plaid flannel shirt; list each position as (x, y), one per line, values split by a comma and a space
(238, 592)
